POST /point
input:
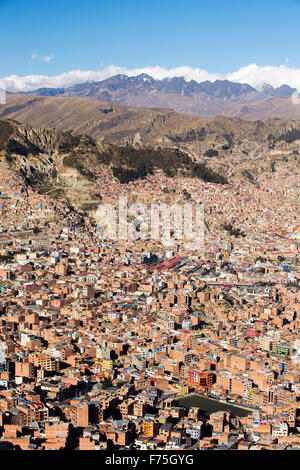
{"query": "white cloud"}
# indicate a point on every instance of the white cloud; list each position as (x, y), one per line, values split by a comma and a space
(47, 58)
(257, 76)
(42, 58)
(252, 74)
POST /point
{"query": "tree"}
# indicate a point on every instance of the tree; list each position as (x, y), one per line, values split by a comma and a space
(186, 194)
(211, 153)
(107, 382)
(6, 259)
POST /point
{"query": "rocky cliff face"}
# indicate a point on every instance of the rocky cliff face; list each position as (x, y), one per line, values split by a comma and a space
(53, 162)
(67, 166)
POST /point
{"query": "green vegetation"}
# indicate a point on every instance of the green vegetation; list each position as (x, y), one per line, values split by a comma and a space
(130, 163)
(125, 176)
(88, 140)
(74, 161)
(13, 146)
(186, 194)
(227, 298)
(271, 140)
(236, 232)
(230, 139)
(69, 142)
(290, 136)
(199, 170)
(261, 259)
(211, 153)
(147, 157)
(248, 175)
(106, 383)
(168, 190)
(120, 384)
(6, 259)
(6, 130)
(191, 136)
(265, 284)
(9, 158)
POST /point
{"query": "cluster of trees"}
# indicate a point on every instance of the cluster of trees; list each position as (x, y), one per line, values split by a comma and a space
(261, 259)
(147, 158)
(290, 136)
(130, 163)
(75, 161)
(13, 146)
(186, 194)
(6, 259)
(194, 170)
(69, 142)
(125, 175)
(6, 130)
(191, 136)
(211, 153)
(199, 170)
(236, 232)
(106, 383)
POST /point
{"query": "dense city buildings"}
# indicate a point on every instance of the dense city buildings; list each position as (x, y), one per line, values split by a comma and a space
(139, 344)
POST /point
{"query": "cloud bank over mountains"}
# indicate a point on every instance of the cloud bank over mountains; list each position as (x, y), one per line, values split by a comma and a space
(252, 74)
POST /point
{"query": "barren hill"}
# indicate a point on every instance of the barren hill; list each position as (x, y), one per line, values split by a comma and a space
(106, 121)
(121, 124)
(280, 107)
(69, 167)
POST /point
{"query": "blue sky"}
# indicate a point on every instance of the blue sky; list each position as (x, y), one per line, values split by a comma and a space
(53, 37)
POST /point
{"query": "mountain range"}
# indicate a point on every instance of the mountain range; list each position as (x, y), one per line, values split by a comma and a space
(203, 99)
